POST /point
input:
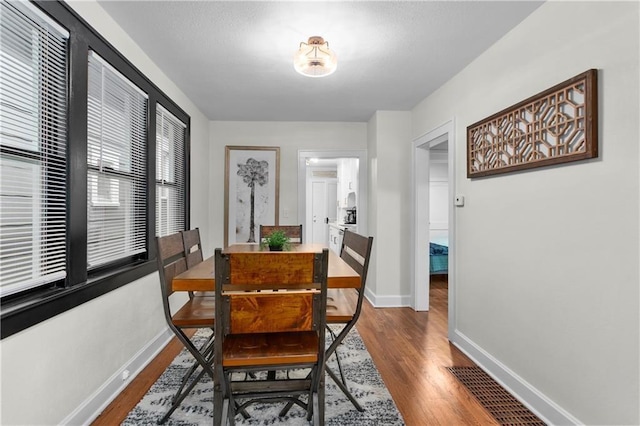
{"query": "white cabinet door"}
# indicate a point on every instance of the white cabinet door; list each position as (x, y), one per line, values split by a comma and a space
(335, 239)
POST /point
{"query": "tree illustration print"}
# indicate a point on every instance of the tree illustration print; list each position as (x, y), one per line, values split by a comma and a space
(252, 173)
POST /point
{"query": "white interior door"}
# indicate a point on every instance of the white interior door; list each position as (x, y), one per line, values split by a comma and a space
(319, 229)
(324, 198)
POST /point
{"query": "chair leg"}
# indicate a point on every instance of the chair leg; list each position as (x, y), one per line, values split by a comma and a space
(335, 350)
(320, 408)
(229, 412)
(177, 401)
(218, 401)
(229, 401)
(311, 405)
(316, 410)
(207, 351)
(225, 410)
(203, 356)
(344, 380)
(199, 356)
(344, 389)
(185, 380)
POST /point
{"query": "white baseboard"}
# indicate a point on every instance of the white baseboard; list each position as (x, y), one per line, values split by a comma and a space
(543, 407)
(91, 408)
(397, 301)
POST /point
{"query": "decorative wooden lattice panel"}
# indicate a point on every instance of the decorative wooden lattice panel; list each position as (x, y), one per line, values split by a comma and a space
(556, 126)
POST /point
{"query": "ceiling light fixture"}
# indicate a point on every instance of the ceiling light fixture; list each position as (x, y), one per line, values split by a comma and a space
(314, 58)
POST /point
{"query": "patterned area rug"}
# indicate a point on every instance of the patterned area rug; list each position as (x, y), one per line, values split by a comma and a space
(197, 409)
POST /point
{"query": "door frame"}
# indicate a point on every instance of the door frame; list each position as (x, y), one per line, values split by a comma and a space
(363, 176)
(420, 179)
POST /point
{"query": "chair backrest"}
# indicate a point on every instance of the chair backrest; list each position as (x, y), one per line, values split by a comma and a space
(294, 232)
(192, 247)
(171, 262)
(249, 292)
(356, 251)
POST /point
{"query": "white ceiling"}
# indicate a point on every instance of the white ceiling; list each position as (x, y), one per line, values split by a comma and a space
(233, 59)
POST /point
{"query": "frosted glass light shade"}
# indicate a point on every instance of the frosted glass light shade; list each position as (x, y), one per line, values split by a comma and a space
(315, 59)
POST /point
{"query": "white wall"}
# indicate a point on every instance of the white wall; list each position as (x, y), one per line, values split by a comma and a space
(388, 281)
(56, 371)
(290, 137)
(547, 260)
(372, 196)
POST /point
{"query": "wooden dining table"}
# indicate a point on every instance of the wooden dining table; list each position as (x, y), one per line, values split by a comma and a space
(201, 277)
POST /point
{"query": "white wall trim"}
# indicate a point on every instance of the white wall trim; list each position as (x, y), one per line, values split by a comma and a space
(393, 301)
(439, 157)
(91, 408)
(421, 155)
(543, 407)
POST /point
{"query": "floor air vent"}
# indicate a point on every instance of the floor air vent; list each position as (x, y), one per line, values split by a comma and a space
(494, 398)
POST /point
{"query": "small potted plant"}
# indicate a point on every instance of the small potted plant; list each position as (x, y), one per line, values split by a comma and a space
(277, 241)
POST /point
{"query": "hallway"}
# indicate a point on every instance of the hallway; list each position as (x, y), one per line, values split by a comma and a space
(412, 352)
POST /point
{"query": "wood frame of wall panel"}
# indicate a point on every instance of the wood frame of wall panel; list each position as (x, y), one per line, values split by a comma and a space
(586, 119)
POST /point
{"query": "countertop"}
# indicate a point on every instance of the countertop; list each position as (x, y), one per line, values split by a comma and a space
(343, 225)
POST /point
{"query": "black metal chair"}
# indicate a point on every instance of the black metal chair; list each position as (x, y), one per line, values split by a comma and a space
(193, 256)
(270, 316)
(192, 247)
(344, 307)
(355, 251)
(197, 312)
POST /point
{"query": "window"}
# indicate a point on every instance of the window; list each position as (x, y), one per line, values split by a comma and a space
(78, 158)
(170, 147)
(116, 177)
(33, 76)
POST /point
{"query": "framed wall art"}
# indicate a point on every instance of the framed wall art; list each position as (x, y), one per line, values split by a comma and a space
(251, 191)
(556, 126)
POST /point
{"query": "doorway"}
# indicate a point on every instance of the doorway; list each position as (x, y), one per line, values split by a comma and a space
(428, 150)
(306, 161)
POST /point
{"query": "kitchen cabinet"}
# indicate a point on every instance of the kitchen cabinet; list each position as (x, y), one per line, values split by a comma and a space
(347, 185)
(335, 238)
(336, 234)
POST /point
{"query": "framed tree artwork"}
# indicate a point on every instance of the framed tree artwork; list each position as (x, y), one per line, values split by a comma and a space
(251, 191)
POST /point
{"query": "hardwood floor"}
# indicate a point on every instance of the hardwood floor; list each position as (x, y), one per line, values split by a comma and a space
(411, 352)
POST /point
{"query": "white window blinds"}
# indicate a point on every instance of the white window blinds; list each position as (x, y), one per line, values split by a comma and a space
(116, 191)
(33, 96)
(170, 173)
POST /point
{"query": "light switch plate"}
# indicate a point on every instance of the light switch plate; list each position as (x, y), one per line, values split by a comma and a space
(459, 201)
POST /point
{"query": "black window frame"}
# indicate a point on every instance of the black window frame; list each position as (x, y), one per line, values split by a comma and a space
(25, 309)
